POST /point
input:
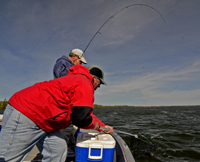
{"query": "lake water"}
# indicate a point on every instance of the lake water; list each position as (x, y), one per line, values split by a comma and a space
(175, 130)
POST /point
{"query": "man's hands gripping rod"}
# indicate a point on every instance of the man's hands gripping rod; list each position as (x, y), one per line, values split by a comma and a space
(106, 129)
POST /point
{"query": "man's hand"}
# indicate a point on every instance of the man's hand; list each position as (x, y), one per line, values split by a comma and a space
(110, 129)
(96, 127)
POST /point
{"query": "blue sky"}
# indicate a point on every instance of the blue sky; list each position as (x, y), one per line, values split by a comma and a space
(146, 61)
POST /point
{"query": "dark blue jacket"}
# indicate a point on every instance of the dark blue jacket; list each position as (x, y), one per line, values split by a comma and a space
(62, 66)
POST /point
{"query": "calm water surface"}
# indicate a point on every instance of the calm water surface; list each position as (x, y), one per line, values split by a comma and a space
(175, 130)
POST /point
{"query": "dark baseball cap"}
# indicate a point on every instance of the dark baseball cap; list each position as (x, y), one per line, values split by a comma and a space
(97, 71)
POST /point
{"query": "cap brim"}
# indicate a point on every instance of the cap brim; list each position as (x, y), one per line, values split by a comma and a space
(102, 81)
(83, 60)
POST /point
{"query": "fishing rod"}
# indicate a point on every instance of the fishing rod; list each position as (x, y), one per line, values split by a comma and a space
(126, 133)
(107, 129)
(139, 144)
(118, 13)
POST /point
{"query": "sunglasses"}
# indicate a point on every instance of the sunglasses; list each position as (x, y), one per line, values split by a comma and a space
(78, 56)
(98, 79)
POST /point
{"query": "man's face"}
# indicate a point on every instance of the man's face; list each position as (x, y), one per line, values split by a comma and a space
(96, 83)
(76, 60)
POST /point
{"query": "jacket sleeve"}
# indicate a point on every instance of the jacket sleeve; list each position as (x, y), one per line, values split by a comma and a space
(82, 106)
(80, 116)
(83, 117)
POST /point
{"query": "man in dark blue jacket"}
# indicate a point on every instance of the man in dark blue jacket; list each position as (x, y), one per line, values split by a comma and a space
(76, 56)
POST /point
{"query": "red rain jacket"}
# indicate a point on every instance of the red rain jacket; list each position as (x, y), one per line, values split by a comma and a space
(54, 104)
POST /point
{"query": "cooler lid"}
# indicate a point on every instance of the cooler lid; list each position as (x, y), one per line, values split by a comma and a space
(95, 140)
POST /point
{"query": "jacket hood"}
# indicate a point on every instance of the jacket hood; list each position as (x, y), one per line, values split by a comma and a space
(65, 58)
(80, 69)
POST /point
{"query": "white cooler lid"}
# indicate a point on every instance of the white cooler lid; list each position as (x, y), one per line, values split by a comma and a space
(95, 140)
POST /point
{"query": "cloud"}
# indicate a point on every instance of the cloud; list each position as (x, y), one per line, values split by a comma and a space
(157, 88)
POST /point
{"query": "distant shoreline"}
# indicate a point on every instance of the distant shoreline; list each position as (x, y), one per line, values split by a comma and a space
(127, 106)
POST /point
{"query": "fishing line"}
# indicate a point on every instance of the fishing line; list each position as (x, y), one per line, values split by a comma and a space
(139, 144)
(118, 13)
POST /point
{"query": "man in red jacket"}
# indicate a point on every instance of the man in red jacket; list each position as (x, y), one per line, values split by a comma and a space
(37, 113)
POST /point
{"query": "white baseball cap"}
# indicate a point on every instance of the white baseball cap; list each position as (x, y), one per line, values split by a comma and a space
(80, 54)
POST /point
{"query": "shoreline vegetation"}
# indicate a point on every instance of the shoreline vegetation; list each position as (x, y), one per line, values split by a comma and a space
(4, 103)
(127, 106)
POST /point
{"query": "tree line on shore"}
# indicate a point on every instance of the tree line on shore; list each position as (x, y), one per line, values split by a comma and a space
(127, 106)
(3, 104)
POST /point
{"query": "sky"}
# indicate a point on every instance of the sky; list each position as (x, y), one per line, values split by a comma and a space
(148, 58)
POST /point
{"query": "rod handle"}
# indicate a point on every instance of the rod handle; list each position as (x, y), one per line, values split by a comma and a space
(104, 128)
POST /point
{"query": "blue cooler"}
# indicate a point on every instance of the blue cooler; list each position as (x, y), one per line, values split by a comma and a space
(94, 147)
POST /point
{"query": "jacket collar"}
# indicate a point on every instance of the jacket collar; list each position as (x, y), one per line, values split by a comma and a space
(80, 69)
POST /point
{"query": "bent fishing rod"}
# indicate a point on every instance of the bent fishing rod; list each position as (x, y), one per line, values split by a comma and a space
(98, 31)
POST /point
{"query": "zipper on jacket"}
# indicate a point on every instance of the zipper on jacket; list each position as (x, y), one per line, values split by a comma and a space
(54, 117)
